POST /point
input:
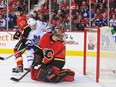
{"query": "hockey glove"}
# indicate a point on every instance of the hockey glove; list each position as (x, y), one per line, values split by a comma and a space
(17, 35)
(29, 44)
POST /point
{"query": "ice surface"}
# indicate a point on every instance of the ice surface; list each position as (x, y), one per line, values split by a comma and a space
(74, 63)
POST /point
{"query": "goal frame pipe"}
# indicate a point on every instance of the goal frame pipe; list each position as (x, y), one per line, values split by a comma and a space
(98, 56)
(97, 53)
(84, 60)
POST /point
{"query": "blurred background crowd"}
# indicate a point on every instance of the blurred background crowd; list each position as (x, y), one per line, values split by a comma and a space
(83, 13)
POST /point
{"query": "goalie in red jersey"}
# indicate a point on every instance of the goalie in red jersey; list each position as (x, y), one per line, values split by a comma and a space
(51, 58)
(21, 35)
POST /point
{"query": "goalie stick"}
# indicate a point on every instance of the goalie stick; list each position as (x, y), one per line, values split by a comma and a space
(2, 58)
(18, 79)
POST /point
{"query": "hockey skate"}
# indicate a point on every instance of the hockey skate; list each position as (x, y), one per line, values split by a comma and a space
(17, 69)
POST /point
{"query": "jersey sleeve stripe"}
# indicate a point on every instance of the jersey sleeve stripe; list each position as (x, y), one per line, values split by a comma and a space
(26, 26)
(58, 59)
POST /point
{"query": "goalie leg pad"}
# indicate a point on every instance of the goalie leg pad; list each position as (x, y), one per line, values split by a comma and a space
(49, 75)
(34, 73)
(52, 75)
(67, 75)
(46, 76)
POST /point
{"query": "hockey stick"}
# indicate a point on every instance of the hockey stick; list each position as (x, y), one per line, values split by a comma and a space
(18, 79)
(6, 31)
(2, 58)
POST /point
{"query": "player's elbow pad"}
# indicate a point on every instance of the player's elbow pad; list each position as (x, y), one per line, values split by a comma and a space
(26, 32)
(17, 35)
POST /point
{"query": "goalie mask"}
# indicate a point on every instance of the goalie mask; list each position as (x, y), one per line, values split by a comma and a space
(59, 32)
(32, 23)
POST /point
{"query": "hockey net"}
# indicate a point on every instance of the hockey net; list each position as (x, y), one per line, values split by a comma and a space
(99, 54)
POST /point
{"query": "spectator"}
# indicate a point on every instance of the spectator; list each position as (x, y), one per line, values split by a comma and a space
(46, 3)
(18, 5)
(74, 5)
(34, 15)
(1, 4)
(2, 22)
(113, 22)
(54, 6)
(112, 4)
(41, 9)
(42, 17)
(79, 23)
(104, 20)
(64, 4)
(54, 19)
(66, 24)
(10, 20)
(95, 20)
(85, 11)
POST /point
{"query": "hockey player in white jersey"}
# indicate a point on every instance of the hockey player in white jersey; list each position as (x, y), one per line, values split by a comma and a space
(39, 28)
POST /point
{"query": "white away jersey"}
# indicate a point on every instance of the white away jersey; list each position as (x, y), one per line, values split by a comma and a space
(37, 33)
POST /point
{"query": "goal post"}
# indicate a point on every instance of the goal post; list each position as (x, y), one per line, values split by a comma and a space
(98, 43)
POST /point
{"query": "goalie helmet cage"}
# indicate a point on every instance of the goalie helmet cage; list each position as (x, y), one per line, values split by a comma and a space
(99, 33)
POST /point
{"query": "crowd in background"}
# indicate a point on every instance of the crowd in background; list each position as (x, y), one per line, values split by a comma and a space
(13, 5)
(80, 15)
(60, 13)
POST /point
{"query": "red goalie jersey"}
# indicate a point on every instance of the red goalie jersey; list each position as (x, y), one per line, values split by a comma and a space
(52, 50)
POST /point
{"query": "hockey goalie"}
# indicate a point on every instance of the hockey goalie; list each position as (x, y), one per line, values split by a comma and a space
(51, 57)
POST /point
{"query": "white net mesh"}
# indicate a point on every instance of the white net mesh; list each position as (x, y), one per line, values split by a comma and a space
(107, 54)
